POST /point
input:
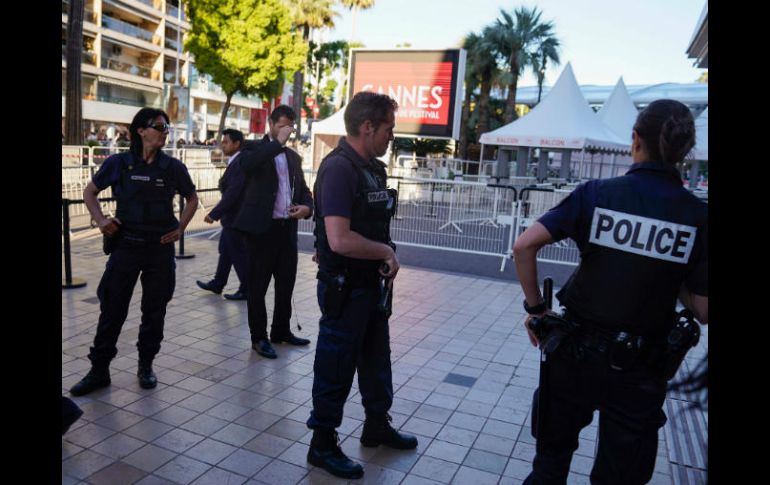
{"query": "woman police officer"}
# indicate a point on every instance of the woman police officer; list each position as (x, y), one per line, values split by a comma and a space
(643, 242)
(139, 239)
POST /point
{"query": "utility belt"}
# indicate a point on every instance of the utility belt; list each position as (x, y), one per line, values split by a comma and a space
(131, 238)
(623, 351)
(340, 284)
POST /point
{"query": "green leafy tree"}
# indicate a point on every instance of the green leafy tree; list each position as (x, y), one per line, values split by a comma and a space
(246, 46)
(345, 67)
(514, 37)
(323, 60)
(307, 15)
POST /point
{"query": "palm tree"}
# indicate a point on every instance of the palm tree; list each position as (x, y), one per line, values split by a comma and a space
(470, 44)
(354, 6)
(514, 40)
(307, 15)
(485, 64)
(73, 130)
(547, 49)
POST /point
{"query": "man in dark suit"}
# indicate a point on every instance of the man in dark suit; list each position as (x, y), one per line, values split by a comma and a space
(232, 249)
(276, 197)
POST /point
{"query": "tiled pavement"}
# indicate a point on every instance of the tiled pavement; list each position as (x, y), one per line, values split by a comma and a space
(463, 375)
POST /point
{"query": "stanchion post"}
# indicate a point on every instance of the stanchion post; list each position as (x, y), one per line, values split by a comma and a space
(68, 282)
(181, 254)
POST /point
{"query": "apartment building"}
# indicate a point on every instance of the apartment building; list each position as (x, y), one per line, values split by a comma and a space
(133, 57)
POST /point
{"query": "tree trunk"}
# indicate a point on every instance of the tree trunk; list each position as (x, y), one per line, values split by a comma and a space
(73, 129)
(224, 115)
(462, 146)
(299, 79)
(483, 123)
(510, 102)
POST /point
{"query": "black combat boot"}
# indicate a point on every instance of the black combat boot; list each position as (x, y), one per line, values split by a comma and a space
(378, 431)
(325, 452)
(96, 378)
(147, 379)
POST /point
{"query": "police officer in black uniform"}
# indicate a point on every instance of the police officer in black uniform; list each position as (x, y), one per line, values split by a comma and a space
(643, 243)
(357, 264)
(140, 239)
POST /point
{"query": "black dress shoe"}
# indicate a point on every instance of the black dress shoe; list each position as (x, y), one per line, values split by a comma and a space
(325, 452)
(147, 379)
(378, 431)
(95, 379)
(238, 295)
(208, 287)
(264, 349)
(291, 340)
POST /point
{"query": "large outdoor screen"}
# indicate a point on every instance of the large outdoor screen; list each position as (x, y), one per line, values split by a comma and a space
(427, 84)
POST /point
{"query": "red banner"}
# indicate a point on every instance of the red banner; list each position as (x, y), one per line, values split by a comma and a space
(421, 89)
(426, 84)
(257, 121)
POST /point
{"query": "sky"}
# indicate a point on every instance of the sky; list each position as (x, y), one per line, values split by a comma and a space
(643, 41)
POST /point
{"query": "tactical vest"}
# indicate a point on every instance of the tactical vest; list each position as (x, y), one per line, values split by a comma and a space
(640, 249)
(145, 199)
(373, 207)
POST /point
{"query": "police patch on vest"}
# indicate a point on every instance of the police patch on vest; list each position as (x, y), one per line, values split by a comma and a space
(642, 235)
(378, 196)
(160, 183)
(143, 178)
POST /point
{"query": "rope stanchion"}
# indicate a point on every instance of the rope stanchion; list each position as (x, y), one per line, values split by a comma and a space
(68, 282)
(181, 254)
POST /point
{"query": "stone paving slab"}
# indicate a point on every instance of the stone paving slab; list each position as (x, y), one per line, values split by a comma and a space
(463, 373)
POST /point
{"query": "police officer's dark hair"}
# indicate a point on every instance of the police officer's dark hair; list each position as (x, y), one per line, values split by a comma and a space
(141, 119)
(667, 130)
(367, 105)
(235, 135)
(283, 110)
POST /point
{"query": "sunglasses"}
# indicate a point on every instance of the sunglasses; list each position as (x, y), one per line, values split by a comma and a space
(160, 126)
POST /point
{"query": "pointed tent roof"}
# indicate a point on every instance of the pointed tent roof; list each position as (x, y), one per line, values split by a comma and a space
(333, 125)
(619, 112)
(701, 149)
(562, 120)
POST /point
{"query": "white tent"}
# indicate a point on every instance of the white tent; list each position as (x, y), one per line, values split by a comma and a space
(701, 150)
(326, 134)
(563, 120)
(619, 112)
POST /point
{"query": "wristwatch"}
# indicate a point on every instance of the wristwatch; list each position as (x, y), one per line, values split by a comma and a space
(535, 310)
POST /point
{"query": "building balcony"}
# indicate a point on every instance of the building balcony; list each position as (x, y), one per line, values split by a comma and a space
(127, 101)
(86, 57)
(174, 11)
(126, 67)
(126, 28)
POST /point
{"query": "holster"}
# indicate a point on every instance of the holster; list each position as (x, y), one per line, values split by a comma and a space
(335, 295)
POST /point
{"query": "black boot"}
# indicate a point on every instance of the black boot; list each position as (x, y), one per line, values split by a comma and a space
(325, 452)
(378, 431)
(147, 379)
(96, 378)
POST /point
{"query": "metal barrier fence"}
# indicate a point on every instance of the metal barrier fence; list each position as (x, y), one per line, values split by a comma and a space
(467, 217)
(533, 203)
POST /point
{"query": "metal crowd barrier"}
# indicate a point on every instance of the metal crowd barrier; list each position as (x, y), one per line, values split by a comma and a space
(533, 203)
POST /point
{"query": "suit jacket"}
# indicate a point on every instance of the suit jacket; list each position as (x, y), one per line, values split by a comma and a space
(233, 183)
(258, 165)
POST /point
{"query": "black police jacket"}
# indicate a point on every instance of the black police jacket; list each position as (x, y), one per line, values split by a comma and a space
(373, 207)
(641, 236)
(145, 201)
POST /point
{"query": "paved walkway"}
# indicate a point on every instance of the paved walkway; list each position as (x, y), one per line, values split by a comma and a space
(463, 375)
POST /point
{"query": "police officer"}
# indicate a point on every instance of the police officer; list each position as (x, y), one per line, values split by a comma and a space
(357, 264)
(643, 242)
(140, 239)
